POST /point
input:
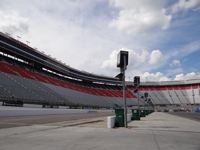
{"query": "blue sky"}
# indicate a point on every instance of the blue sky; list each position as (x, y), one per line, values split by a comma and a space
(162, 36)
(184, 30)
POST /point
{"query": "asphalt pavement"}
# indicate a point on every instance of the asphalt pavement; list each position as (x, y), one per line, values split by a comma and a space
(157, 131)
(190, 115)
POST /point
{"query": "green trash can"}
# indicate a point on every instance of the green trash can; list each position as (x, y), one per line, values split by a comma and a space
(146, 112)
(135, 114)
(149, 111)
(119, 120)
(142, 114)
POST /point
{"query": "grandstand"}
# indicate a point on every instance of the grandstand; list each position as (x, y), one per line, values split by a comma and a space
(29, 76)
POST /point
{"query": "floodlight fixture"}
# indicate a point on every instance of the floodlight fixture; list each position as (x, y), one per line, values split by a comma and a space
(146, 94)
(137, 81)
(122, 59)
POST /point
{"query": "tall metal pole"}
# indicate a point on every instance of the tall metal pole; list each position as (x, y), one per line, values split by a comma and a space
(145, 101)
(138, 101)
(145, 104)
(122, 62)
(124, 94)
(193, 95)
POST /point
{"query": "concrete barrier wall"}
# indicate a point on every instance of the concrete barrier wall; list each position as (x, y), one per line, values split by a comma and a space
(111, 122)
(129, 117)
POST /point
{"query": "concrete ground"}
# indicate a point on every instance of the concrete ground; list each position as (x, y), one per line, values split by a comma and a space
(158, 131)
(25, 116)
(8, 111)
(65, 120)
(189, 115)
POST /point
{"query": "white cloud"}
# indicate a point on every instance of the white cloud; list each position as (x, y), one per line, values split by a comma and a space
(66, 30)
(175, 63)
(140, 16)
(174, 71)
(187, 76)
(143, 16)
(141, 60)
(182, 5)
(154, 77)
(156, 57)
(77, 32)
(12, 23)
(158, 76)
(112, 61)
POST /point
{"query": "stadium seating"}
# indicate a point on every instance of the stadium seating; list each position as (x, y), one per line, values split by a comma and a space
(36, 76)
(32, 77)
(37, 88)
(177, 94)
(19, 82)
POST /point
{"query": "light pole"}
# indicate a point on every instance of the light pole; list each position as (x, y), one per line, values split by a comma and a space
(145, 101)
(124, 99)
(122, 62)
(137, 84)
